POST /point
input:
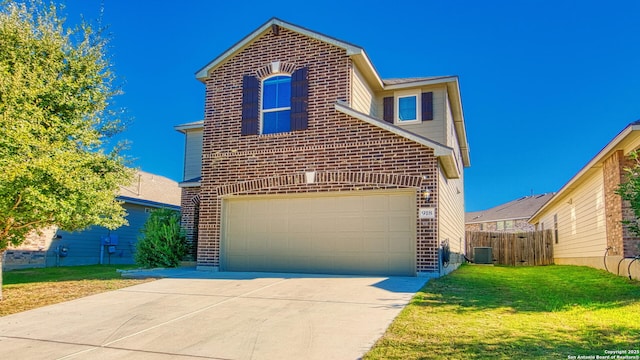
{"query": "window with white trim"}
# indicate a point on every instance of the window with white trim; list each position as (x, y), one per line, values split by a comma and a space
(408, 105)
(276, 104)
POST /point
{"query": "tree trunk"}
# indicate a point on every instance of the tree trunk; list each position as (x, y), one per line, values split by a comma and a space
(1, 258)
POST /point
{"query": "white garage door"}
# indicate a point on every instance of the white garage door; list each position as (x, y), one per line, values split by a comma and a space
(368, 233)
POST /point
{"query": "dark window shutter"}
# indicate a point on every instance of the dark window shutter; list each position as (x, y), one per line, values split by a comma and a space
(300, 99)
(250, 101)
(388, 109)
(427, 106)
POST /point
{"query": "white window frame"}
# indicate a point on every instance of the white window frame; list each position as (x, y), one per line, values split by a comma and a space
(404, 94)
(260, 98)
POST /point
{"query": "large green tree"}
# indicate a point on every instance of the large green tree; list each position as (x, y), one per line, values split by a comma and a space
(56, 85)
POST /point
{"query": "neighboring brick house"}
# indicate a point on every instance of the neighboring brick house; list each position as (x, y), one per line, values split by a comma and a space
(86, 247)
(308, 161)
(586, 214)
(512, 216)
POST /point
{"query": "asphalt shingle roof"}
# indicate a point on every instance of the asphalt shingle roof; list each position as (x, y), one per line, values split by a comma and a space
(410, 80)
(522, 208)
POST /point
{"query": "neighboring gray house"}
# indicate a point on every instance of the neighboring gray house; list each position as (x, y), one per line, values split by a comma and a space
(98, 245)
(509, 217)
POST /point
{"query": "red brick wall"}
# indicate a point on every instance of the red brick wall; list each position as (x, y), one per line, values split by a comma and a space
(519, 225)
(346, 153)
(621, 241)
(613, 203)
(190, 204)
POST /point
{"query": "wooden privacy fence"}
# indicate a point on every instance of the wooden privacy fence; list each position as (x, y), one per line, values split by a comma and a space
(527, 248)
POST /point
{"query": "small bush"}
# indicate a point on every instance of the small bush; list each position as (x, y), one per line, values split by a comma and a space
(163, 243)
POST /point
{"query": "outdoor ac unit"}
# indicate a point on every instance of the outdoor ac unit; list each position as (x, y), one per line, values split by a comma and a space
(482, 255)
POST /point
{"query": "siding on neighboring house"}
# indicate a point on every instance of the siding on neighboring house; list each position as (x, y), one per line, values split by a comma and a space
(84, 247)
(590, 214)
(512, 216)
(147, 192)
(581, 221)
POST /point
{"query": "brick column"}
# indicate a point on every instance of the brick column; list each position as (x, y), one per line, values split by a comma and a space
(190, 205)
(613, 203)
(623, 243)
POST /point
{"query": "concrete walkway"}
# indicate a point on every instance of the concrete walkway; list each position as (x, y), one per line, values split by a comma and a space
(206, 315)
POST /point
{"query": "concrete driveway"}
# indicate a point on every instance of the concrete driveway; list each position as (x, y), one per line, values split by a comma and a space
(198, 315)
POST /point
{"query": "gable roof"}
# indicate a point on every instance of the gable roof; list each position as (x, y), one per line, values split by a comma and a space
(352, 50)
(628, 138)
(521, 208)
(152, 190)
(362, 62)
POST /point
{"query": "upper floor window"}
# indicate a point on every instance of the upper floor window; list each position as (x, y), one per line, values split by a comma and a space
(276, 104)
(407, 107)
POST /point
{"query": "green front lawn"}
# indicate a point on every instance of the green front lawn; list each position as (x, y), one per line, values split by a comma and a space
(33, 288)
(486, 312)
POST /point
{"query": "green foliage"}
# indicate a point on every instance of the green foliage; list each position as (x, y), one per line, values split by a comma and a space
(55, 88)
(629, 190)
(163, 243)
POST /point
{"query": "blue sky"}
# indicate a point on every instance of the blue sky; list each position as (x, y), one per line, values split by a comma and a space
(545, 84)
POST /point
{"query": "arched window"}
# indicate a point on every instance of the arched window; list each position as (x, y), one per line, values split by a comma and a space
(276, 104)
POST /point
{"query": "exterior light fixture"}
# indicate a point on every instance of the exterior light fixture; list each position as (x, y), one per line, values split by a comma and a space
(427, 195)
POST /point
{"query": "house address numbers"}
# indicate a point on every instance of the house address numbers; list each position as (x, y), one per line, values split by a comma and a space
(427, 213)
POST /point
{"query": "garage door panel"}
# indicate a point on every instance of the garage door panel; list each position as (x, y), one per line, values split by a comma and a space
(259, 209)
(321, 204)
(239, 244)
(277, 207)
(372, 223)
(320, 262)
(398, 241)
(257, 225)
(299, 224)
(278, 242)
(348, 204)
(375, 242)
(402, 203)
(300, 244)
(400, 223)
(350, 223)
(368, 233)
(378, 204)
(299, 262)
(323, 242)
(349, 242)
(322, 224)
(399, 265)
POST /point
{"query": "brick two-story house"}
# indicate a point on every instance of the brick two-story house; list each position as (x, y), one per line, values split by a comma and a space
(308, 161)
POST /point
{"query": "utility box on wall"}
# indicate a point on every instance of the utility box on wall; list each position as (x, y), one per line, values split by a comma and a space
(482, 255)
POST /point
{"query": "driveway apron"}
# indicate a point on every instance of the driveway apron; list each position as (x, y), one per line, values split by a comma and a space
(196, 315)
